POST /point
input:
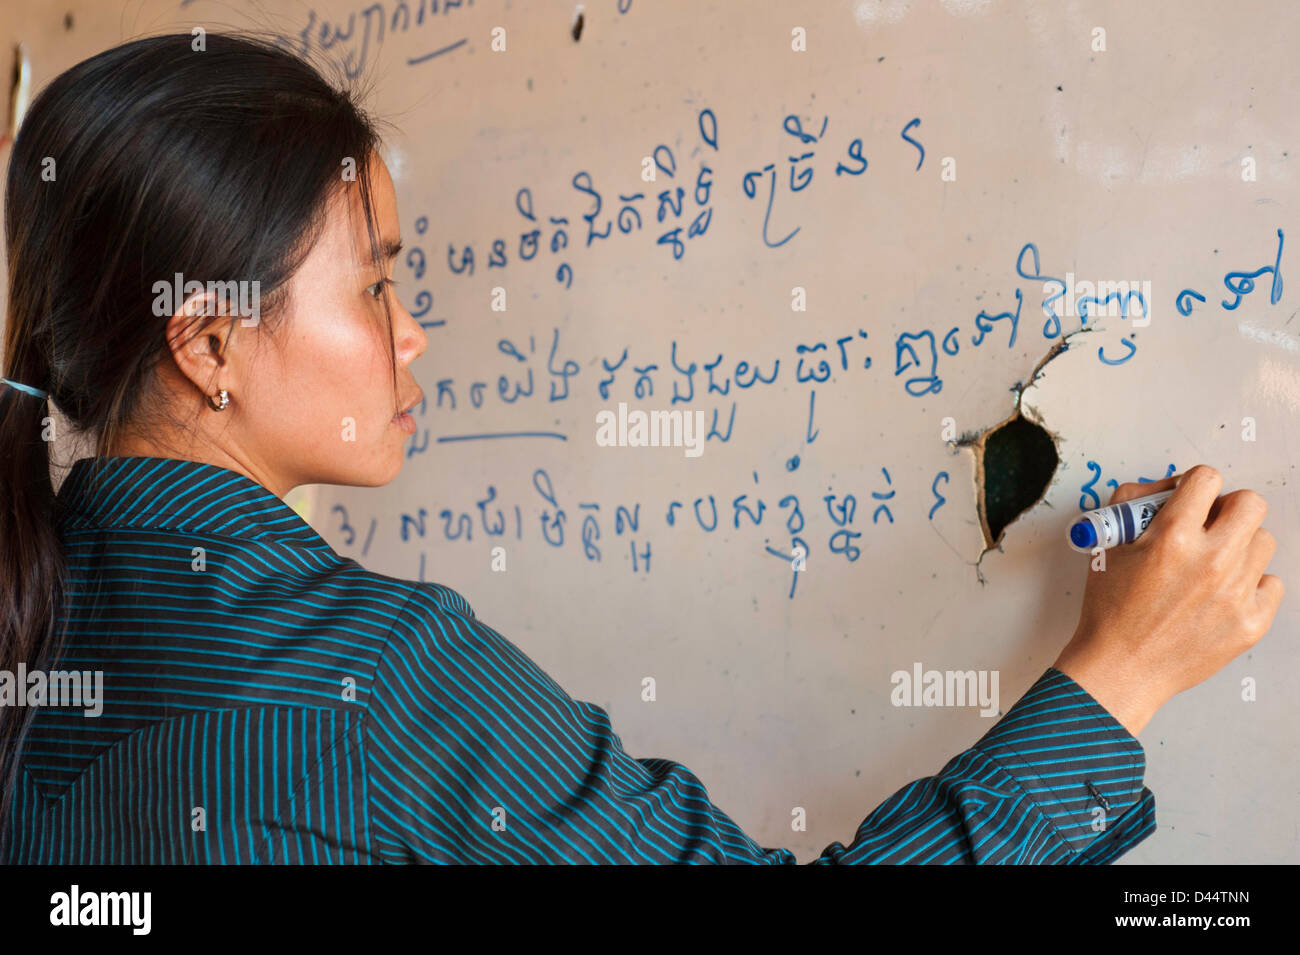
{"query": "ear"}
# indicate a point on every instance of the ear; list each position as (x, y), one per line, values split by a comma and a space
(200, 337)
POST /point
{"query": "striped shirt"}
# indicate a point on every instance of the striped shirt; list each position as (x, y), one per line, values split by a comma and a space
(266, 700)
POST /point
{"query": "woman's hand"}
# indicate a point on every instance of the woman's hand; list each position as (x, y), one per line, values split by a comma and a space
(1175, 606)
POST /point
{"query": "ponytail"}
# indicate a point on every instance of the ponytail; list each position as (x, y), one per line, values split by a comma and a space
(31, 560)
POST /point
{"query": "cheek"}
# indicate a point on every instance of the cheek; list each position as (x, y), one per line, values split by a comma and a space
(341, 366)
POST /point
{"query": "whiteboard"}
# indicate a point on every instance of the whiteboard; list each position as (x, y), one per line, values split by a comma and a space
(858, 266)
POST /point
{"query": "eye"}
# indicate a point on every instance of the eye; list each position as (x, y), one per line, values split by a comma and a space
(377, 290)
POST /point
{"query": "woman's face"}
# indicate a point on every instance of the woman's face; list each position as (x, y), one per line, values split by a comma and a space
(325, 404)
(311, 398)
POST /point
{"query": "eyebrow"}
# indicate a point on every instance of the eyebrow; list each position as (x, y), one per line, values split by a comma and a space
(388, 250)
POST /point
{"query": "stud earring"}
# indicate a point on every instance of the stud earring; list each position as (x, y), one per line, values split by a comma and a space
(220, 405)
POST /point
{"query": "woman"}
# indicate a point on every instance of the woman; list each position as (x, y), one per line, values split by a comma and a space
(265, 700)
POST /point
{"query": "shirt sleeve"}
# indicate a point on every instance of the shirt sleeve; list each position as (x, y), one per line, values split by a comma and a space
(474, 755)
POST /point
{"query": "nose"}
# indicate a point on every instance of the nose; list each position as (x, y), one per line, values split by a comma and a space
(409, 338)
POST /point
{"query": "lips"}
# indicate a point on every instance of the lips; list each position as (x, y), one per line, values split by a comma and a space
(407, 409)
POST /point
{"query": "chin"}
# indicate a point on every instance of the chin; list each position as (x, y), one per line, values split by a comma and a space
(382, 468)
(393, 466)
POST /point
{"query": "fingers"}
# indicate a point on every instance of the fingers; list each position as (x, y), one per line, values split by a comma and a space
(1132, 489)
(1215, 510)
(1269, 594)
(1190, 503)
(1259, 552)
(1238, 517)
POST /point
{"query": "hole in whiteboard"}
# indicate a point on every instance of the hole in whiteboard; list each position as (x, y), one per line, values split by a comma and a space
(1018, 463)
(1014, 460)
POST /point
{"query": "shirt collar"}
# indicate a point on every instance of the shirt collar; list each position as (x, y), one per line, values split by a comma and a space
(177, 495)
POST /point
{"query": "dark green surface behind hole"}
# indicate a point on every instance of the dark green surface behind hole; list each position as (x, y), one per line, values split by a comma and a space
(1019, 461)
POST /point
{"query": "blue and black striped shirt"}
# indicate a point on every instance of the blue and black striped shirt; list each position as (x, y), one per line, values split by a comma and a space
(269, 701)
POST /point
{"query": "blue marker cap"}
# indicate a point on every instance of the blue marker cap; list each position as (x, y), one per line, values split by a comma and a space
(1083, 534)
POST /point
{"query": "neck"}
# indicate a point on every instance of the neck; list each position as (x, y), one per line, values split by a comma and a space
(134, 445)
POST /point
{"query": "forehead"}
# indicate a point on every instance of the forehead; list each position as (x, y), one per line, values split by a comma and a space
(344, 237)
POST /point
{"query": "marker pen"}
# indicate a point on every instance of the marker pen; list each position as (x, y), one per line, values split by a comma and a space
(1117, 524)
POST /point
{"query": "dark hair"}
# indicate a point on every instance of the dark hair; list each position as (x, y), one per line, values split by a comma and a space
(146, 160)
